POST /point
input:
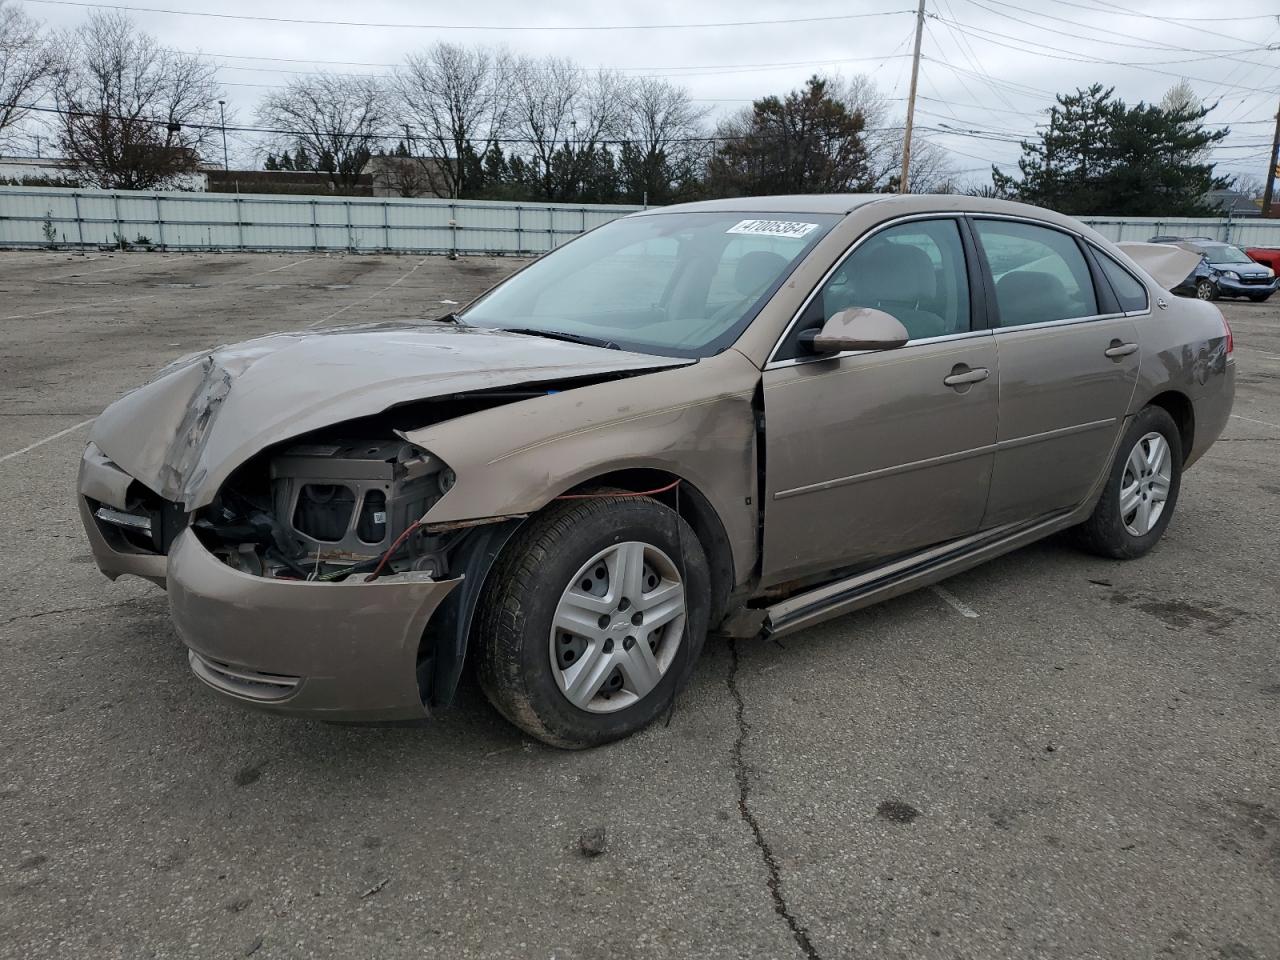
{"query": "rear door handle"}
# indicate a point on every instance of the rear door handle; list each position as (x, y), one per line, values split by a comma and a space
(1120, 349)
(961, 376)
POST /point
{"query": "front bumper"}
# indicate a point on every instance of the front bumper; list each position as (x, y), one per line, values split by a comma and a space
(1237, 288)
(338, 651)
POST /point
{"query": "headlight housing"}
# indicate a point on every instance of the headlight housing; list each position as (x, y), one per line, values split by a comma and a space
(1229, 274)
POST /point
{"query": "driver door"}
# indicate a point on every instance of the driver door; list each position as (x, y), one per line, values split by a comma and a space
(869, 455)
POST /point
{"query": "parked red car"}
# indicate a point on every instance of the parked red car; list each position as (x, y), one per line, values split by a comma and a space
(1267, 256)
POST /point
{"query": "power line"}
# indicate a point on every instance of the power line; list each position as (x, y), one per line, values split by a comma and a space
(1166, 19)
(474, 26)
(1053, 56)
(1113, 9)
(1147, 43)
(709, 70)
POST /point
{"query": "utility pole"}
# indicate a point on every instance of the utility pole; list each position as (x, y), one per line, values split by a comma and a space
(222, 113)
(1273, 161)
(911, 101)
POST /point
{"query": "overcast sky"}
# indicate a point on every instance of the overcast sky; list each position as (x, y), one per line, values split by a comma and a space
(990, 67)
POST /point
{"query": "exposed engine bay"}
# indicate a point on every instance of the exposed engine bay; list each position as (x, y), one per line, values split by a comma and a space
(329, 507)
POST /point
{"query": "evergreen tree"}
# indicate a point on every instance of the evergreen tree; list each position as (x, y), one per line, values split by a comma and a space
(806, 142)
(1100, 156)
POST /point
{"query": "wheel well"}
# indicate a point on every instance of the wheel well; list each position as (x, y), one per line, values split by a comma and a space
(1178, 406)
(696, 510)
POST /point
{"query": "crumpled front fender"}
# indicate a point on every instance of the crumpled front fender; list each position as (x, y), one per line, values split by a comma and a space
(698, 424)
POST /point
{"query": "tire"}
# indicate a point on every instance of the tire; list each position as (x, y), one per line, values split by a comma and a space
(528, 665)
(1116, 532)
(1206, 290)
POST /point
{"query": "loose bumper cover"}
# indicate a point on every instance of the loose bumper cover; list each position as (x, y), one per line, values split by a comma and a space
(343, 651)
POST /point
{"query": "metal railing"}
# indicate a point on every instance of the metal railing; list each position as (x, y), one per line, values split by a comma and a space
(74, 218)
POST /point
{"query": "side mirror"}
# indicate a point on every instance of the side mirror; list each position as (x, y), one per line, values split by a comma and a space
(857, 328)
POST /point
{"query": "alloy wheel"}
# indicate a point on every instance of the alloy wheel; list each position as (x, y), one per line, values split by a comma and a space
(1204, 290)
(1144, 487)
(617, 627)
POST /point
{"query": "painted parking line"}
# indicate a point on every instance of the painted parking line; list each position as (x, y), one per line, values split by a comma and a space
(49, 439)
(377, 293)
(286, 266)
(956, 604)
(1265, 423)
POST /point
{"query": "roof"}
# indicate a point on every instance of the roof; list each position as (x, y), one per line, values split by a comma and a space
(796, 203)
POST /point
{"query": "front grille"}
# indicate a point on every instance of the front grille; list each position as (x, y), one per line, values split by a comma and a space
(1255, 279)
(242, 681)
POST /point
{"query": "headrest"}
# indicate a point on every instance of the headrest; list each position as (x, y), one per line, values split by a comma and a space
(1031, 296)
(894, 273)
(756, 270)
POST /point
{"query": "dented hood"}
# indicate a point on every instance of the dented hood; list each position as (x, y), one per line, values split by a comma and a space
(184, 432)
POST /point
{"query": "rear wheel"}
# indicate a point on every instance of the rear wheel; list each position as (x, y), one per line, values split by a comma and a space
(1141, 492)
(1206, 290)
(593, 619)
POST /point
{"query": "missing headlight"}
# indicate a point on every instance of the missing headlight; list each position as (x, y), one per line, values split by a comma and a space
(325, 509)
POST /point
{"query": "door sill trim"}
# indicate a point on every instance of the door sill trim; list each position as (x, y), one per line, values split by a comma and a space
(909, 573)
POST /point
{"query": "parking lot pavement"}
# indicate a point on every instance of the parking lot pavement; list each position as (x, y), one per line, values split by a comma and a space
(1086, 766)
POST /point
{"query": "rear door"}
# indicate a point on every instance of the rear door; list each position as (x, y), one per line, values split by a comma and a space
(1068, 365)
(873, 454)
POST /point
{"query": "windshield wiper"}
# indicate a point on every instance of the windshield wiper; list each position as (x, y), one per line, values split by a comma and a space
(561, 335)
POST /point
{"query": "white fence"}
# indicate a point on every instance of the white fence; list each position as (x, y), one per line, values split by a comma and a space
(1241, 231)
(39, 216)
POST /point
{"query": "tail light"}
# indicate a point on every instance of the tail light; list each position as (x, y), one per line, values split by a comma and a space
(1231, 341)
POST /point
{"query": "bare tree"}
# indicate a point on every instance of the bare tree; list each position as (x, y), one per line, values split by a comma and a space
(336, 119)
(457, 99)
(666, 143)
(1183, 100)
(564, 114)
(135, 115)
(27, 65)
(931, 170)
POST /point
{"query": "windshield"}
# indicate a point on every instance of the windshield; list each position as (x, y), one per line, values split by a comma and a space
(1223, 253)
(675, 284)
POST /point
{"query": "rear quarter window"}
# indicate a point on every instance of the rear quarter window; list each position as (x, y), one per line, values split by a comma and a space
(1129, 290)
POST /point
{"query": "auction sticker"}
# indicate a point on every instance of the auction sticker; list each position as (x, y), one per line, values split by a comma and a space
(773, 228)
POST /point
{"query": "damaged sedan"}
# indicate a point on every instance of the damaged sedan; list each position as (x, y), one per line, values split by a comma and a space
(739, 416)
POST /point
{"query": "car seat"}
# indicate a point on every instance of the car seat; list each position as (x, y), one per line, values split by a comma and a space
(1032, 296)
(899, 280)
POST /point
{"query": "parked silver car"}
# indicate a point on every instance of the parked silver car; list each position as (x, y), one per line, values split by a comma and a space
(744, 415)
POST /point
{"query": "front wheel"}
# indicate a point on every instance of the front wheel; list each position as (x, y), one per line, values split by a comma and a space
(592, 619)
(1141, 491)
(1206, 290)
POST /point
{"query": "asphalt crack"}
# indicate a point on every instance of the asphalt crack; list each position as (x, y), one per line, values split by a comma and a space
(86, 606)
(743, 779)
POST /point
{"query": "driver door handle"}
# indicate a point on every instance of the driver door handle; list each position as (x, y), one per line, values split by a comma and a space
(961, 375)
(1120, 349)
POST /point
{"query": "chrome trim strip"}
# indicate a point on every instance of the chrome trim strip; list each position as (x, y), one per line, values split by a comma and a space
(998, 446)
(120, 518)
(1068, 322)
(819, 358)
(887, 471)
(1032, 438)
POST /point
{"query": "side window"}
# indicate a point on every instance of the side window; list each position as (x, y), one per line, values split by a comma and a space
(914, 271)
(1129, 291)
(1040, 273)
